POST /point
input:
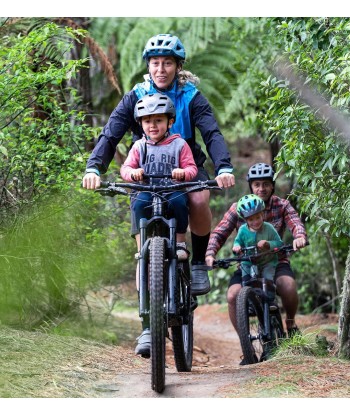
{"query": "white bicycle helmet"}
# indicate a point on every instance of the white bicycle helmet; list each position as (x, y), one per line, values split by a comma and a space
(154, 104)
(260, 171)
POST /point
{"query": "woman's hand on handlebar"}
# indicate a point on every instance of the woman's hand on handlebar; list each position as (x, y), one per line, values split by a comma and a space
(225, 180)
(91, 181)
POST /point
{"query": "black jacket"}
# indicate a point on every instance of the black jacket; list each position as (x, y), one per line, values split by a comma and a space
(122, 119)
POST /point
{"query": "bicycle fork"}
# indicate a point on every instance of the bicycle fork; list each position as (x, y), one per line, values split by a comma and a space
(171, 284)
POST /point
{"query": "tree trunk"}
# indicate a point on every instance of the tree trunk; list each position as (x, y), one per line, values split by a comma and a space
(335, 264)
(344, 316)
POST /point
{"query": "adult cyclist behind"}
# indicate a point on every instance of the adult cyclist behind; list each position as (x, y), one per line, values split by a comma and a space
(280, 213)
(165, 56)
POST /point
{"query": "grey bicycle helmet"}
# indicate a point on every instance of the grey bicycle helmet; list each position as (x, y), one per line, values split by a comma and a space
(260, 171)
(249, 205)
(154, 104)
(164, 45)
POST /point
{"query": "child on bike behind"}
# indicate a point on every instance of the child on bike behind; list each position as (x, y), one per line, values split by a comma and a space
(159, 152)
(256, 233)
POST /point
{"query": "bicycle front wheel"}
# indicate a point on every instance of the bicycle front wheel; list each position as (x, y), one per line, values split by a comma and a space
(182, 335)
(250, 325)
(157, 312)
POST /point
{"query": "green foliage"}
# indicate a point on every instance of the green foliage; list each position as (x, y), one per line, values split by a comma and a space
(42, 135)
(313, 271)
(311, 150)
(303, 344)
(56, 251)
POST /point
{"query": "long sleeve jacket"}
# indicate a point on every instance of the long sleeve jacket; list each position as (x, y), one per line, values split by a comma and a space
(200, 116)
(279, 212)
(160, 158)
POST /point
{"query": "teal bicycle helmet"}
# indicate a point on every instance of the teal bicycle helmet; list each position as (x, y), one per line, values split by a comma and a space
(249, 205)
(164, 45)
(154, 104)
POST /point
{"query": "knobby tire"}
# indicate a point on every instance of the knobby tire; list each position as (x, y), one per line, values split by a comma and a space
(182, 335)
(250, 324)
(157, 312)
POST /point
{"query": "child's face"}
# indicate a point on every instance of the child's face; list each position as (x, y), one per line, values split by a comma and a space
(255, 221)
(156, 125)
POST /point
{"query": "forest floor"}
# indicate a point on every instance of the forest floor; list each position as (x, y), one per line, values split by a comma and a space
(39, 365)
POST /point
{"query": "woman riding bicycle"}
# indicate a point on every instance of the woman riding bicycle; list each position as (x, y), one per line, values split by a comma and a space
(165, 55)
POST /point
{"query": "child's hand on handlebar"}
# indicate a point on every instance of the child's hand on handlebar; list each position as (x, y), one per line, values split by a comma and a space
(263, 245)
(237, 249)
(137, 174)
(178, 174)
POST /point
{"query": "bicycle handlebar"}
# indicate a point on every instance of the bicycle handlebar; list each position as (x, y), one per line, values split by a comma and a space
(114, 188)
(226, 262)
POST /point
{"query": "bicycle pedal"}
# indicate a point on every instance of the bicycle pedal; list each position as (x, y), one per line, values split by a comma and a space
(194, 304)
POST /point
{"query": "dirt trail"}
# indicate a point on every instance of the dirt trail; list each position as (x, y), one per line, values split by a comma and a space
(215, 373)
(216, 360)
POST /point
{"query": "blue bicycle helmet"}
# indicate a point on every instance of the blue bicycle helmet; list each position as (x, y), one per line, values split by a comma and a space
(249, 205)
(164, 45)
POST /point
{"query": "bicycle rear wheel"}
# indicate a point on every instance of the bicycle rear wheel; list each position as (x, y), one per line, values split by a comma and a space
(250, 324)
(182, 335)
(277, 333)
(157, 312)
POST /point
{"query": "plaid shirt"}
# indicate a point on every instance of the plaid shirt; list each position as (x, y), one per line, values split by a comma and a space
(279, 212)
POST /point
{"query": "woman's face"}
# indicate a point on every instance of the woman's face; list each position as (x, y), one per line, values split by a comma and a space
(162, 70)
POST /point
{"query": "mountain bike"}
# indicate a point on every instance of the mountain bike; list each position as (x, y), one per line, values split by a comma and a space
(259, 320)
(164, 280)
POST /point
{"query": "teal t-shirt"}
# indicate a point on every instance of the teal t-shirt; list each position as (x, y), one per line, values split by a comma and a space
(245, 237)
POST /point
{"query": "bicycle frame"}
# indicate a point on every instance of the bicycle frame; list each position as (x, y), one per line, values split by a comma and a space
(164, 282)
(157, 225)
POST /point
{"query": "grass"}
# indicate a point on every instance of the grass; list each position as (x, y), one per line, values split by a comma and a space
(39, 365)
(303, 367)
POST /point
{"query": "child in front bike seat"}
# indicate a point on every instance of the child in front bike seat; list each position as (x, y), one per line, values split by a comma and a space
(256, 232)
(158, 152)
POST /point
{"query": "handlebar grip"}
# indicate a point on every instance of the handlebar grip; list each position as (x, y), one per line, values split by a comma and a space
(212, 183)
(104, 185)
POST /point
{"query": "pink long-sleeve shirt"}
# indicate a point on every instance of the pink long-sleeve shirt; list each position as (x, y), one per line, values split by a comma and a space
(160, 158)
